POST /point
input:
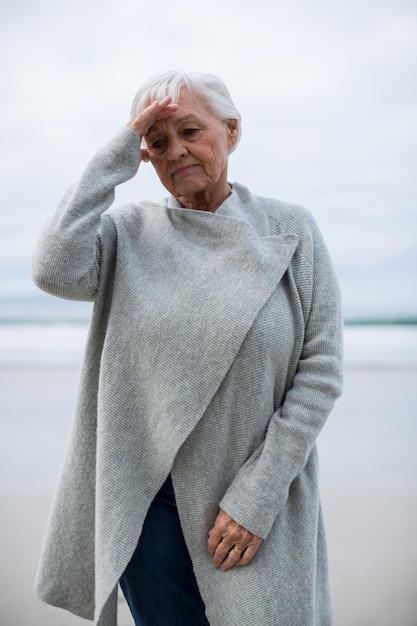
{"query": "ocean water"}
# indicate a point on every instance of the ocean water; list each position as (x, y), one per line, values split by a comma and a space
(370, 439)
(62, 345)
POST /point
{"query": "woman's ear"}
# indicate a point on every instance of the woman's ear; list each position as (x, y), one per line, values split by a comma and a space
(233, 131)
(145, 155)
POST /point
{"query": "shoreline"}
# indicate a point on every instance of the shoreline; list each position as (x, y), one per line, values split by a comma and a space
(62, 345)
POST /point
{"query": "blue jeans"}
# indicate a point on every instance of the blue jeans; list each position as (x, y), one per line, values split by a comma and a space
(159, 583)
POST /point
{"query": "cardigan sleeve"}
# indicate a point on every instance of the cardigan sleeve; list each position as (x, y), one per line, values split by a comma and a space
(261, 487)
(66, 262)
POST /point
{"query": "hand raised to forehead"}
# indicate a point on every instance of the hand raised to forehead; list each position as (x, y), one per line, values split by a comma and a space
(158, 110)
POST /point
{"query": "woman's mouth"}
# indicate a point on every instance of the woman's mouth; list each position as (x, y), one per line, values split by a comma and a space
(185, 169)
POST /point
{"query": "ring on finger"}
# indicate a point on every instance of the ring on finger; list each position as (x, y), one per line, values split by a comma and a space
(237, 550)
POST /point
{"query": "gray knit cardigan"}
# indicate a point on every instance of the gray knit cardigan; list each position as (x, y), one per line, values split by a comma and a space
(214, 353)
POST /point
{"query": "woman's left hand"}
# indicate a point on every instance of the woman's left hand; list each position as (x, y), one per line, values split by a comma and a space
(230, 544)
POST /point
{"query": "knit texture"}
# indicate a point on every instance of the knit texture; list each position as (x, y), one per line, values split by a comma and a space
(214, 353)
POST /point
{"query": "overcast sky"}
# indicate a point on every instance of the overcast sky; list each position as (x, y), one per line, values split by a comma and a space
(327, 90)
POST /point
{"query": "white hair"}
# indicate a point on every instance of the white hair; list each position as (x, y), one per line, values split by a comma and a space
(209, 87)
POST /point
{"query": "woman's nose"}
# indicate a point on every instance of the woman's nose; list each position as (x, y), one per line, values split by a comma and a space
(176, 149)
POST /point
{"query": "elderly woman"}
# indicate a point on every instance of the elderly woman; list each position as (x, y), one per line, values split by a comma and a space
(213, 360)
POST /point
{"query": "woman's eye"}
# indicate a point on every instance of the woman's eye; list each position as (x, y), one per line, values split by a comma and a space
(189, 132)
(158, 144)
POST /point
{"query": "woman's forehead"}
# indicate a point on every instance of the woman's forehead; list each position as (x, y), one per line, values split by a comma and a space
(191, 109)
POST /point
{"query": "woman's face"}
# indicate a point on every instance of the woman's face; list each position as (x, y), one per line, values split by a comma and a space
(189, 150)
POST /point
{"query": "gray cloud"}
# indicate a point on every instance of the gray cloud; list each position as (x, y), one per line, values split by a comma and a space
(328, 97)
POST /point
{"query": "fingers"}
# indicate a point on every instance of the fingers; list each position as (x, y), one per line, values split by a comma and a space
(230, 544)
(237, 555)
(249, 551)
(226, 560)
(224, 553)
(155, 111)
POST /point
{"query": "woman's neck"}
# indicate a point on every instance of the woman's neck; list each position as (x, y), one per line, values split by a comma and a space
(205, 200)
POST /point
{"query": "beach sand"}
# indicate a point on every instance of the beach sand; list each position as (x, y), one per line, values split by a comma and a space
(372, 549)
(369, 493)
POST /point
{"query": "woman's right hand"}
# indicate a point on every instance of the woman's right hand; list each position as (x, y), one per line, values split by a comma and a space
(158, 110)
